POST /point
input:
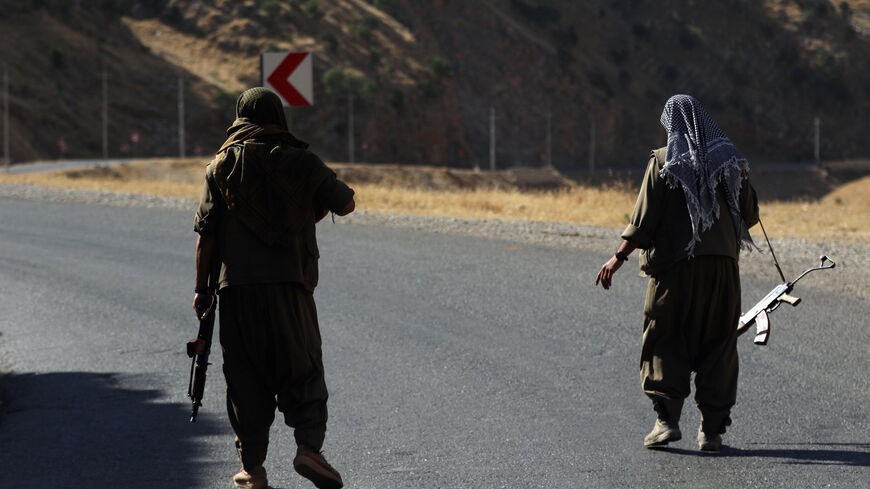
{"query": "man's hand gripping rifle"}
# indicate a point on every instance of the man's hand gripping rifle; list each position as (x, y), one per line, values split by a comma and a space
(198, 350)
(758, 314)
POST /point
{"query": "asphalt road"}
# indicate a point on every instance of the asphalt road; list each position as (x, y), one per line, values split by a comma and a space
(452, 362)
(46, 166)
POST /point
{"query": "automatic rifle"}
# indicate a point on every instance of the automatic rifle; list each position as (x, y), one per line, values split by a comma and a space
(198, 350)
(758, 315)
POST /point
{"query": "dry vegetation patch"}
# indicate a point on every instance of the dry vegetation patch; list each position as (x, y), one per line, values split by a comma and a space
(520, 194)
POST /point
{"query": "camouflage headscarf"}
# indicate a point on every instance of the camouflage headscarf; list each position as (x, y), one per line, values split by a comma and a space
(259, 113)
(699, 158)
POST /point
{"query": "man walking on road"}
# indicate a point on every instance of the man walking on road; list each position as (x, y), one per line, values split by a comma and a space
(263, 194)
(691, 219)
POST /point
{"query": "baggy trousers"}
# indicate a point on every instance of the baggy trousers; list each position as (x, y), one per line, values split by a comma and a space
(272, 358)
(690, 325)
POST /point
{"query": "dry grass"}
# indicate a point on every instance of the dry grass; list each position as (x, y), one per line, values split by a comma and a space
(129, 181)
(598, 206)
(841, 215)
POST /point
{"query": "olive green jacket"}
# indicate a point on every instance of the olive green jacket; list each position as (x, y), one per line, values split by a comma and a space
(261, 200)
(660, 224)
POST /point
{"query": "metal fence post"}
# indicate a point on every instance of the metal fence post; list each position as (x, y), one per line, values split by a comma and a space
(105, 115)
(549, 139)
(350, 129)
(6, 159)
(492, 138)
(592, 147)
(181, 117)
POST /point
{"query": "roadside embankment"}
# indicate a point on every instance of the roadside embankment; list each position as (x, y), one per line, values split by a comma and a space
(822, 204)
(795, 253)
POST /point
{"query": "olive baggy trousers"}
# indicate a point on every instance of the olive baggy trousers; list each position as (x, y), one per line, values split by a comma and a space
(272, 358)
(690, 325)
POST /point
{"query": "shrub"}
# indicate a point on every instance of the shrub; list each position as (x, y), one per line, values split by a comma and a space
(618, 55)
(428, 88)
(539, 14)
(172, 11)
(846, 10)
(333, 81)
(312, 10)
(374, 59)
(397, 101)
(362, 29)
(58, 61)
(115, 8)
(388, 6)
(598, 80)
(270, 47)
(670, 73)
(567, 36)
(329, 38)
(370, 21)
(641, 30)
(225, 102)
(440, 66)
(338, 82)
(689, 36)
(270, 8)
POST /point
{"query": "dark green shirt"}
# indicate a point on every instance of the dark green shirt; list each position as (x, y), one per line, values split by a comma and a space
(246, 258)
(660, 224)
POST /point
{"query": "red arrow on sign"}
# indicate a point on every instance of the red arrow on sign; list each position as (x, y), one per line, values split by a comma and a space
(280, 79)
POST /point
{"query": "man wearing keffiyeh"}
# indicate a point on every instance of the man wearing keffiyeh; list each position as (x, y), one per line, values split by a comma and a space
(690, 252)
(262, 196)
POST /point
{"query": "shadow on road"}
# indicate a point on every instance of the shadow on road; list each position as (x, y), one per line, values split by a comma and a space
(85, 430)
(814, 454)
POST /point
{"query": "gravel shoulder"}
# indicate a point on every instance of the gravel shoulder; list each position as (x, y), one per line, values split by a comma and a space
(795, 255)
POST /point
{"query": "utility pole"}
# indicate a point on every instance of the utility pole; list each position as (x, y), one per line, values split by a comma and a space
(549, 140)
(6, 160)
(181, 117)
(350, 143)
(105, 114)
(492, 138)
(817, 150)
(592, 147)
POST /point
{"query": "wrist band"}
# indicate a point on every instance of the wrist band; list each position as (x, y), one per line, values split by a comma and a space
(203, 290)
(621, 256)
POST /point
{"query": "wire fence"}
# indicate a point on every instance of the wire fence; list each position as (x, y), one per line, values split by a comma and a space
(130, 117)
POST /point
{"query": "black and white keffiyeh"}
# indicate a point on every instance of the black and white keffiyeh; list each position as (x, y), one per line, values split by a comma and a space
(699, 157)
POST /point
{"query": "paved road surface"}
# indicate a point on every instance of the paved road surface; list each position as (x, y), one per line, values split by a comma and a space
(46, 166)
(452, 362)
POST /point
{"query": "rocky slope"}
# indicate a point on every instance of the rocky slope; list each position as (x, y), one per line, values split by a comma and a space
(425, 74)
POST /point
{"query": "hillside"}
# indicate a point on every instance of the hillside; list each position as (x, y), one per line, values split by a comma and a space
(425, 74)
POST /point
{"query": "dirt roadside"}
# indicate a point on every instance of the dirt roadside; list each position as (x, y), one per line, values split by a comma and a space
(816, 210)
(827, 203)
(812, 210)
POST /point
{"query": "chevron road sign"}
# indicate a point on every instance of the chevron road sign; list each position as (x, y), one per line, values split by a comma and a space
(290, 75)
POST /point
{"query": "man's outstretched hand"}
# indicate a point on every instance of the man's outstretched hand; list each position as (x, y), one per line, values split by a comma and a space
(605, 275)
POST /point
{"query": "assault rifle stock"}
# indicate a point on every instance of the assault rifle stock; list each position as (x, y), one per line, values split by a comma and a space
(198, 350)
(758, 314)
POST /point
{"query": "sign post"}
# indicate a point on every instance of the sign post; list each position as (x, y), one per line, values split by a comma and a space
(491, 138)
(350, 143)
(6, 117)
(105, 114)
(181, 117)
(290, 75)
